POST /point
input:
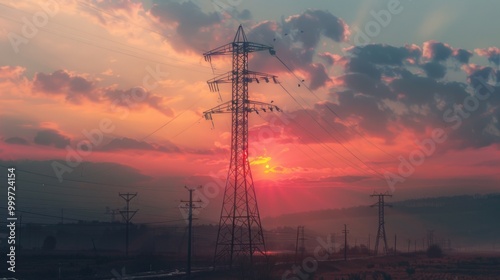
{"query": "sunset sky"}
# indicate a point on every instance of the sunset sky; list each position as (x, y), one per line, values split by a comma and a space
(102, 97)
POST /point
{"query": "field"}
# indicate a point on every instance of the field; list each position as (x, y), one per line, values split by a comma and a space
(462, 266)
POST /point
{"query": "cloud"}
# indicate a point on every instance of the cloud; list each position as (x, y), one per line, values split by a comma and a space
(109, 12)
(492, 53)
(308, 28)
(11, 72)
(434, 70)
(16, 141)
(462, 56)
(296, 40)
(50, 137)
(386, 54)
(437, 51)
(345, 179)
(383, 91)
(329, 58)
(119, 144)
(134, 97)
(76, 89)
(193, 27)
(315, 125)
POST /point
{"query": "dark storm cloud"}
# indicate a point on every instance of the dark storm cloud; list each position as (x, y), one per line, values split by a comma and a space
(50, 137)
(125, 143)
(434, 70)
(16, 141)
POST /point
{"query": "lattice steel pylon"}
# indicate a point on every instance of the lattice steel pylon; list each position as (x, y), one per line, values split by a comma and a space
(381, 220)
(240, 232)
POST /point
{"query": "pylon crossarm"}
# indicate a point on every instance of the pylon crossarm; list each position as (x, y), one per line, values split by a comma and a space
(219, 109)
(222, 50)
(256, 47)
(256, 106)
(225, 78)
(250, 76)
(259, 76)
(228, 49)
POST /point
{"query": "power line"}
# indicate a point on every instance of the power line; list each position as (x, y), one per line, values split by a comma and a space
(328, 147)
(331, 110)
(328, 132)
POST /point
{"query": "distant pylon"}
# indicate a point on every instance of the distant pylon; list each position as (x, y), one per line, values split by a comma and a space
(240, 232)
(381, 221)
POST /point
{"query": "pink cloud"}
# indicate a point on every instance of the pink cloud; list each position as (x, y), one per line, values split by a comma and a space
(492, 53)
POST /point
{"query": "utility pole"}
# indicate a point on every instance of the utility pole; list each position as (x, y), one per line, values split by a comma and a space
(409, 244)
(189, 205)
(369, 241)
(240, 234)
(395, 244)
(430, 238)
(345, 232)
(127, 215)
(300, 248)
(381, 220)
(333, 242)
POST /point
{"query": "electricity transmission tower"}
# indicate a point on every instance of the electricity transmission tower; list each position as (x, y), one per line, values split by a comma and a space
(240, 232)
(381, 222)
(189, 205)
(127, 215)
